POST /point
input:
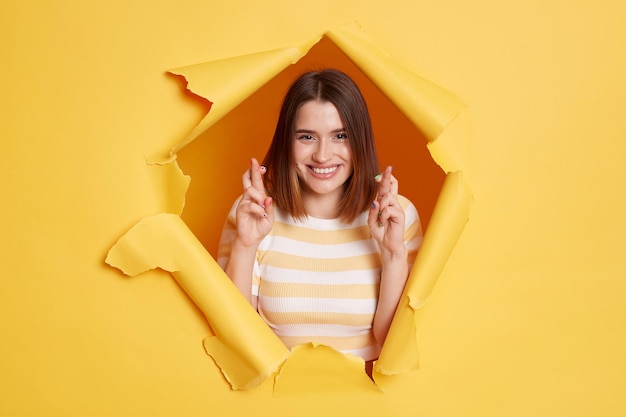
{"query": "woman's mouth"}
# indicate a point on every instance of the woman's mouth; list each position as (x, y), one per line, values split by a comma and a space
(325, 170)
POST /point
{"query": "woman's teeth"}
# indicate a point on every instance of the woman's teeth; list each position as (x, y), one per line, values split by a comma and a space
(324, 170)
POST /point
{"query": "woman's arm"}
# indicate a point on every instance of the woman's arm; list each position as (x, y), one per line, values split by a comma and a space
(239, 269)
(254, 220)
(393, 279)
(387, 223)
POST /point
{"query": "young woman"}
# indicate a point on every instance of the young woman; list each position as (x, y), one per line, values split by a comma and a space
(320, 242)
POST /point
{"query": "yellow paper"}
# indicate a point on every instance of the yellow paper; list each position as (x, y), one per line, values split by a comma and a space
(527, 317)
(228, 82)
(426, 104)
(400, 352)
(452, 148)
(321, 369)
(243, 346)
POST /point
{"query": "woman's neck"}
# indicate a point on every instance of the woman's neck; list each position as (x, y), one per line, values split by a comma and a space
(322, 206)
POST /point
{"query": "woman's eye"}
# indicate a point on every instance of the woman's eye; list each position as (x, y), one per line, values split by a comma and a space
(341, 136)
(306, 137)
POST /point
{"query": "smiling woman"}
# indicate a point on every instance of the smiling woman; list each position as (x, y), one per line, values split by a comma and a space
(319, 242)
(404, 108)
(321, 152)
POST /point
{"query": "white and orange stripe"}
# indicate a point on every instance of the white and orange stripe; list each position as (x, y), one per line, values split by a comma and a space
(317, 280)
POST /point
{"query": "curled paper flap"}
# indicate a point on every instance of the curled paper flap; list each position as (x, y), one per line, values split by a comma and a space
(400, 352)
(244, 347)
(170, 185)
(228, 82)
(452, 150)
(313, 368)
(429, 106)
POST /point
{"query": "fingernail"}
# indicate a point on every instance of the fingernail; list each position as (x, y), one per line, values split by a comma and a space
(373, 204)
(380, 213)
(378, 176)
(380, 224)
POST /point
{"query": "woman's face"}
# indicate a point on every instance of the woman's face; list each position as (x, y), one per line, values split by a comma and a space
(321, 150)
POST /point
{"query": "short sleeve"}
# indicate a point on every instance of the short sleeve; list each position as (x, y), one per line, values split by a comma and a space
(413, 234)
(229, 232)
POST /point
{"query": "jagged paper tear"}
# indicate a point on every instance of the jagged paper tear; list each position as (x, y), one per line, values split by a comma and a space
(400, 353)
(243, 346)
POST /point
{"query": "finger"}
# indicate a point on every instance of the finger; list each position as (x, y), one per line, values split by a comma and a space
(390, 214)
(255, 174)
(253, 203)
(394, 186)
(269, 209)
(385, 201)
(384, 185)
(374, 214)
(253, 195)
(246, 180)
(252, 208)
(389, 203)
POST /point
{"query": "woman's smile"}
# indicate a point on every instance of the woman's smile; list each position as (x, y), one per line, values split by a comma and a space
(322, 153)
(324, 172)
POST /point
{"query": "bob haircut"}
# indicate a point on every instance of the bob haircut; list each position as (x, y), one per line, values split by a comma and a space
(281, 179)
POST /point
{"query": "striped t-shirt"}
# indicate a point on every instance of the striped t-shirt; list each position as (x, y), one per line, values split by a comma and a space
(317, 280)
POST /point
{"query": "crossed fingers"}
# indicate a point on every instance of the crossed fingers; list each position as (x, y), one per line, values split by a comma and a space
(253, 189)
(387, 195)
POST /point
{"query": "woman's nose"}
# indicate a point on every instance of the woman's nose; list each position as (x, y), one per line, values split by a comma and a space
(322, 152)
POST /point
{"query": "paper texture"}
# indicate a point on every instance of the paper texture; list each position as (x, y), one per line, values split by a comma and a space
(426, 104)
(243, 346)
(321, 369)
(400, 352)
(228, 82)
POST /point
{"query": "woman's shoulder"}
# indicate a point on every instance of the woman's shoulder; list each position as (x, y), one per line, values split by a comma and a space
(405, 203)
(410, 211)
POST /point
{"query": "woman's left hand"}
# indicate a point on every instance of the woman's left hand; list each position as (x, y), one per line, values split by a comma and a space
(386, 223)
(386, 217)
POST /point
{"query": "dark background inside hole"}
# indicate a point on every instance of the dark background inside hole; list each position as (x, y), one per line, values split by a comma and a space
(217, 159)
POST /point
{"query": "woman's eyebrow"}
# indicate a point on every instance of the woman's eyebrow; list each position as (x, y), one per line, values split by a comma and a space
(338, 130)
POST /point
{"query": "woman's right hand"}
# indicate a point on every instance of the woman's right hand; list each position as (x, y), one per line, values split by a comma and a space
(255, 212)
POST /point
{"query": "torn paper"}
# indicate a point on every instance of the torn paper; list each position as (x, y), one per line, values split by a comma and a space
(243, 346)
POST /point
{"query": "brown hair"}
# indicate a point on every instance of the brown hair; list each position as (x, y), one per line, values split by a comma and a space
(281, 179)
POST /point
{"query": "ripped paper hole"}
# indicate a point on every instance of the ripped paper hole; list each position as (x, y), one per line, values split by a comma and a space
(245, 349)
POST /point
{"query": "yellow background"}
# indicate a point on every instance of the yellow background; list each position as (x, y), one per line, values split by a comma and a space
(528, 317)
